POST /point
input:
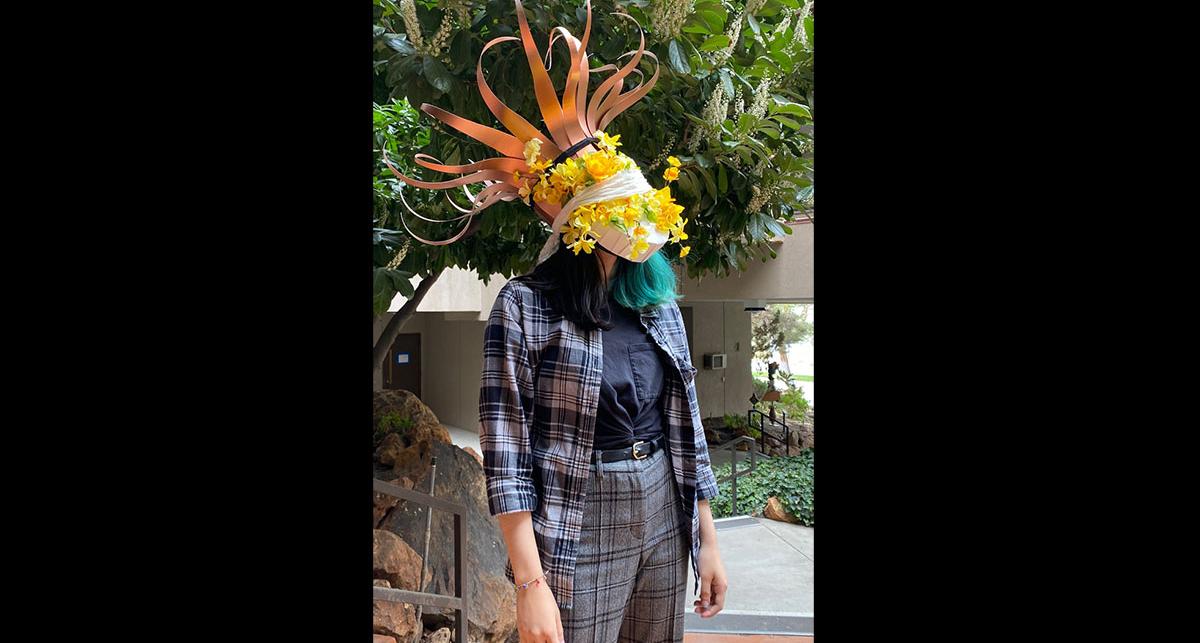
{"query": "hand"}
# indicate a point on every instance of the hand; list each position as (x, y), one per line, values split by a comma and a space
(713, 582)
(538, 618)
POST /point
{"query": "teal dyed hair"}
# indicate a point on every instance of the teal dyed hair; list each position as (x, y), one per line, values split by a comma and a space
(644, 285)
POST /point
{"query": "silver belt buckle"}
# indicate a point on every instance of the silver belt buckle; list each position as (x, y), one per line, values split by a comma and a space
(638, 455)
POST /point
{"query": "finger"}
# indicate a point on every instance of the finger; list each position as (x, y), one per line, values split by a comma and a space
(718, 599)
(705, 594)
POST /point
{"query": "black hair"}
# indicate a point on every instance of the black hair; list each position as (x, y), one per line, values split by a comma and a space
(574, 284)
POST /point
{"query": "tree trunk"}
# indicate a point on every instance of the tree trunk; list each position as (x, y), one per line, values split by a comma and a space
(398, 320)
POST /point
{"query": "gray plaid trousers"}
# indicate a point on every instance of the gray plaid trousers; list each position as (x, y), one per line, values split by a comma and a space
(631, 574)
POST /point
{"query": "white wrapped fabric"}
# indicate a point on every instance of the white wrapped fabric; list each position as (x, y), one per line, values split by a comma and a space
(622, 184)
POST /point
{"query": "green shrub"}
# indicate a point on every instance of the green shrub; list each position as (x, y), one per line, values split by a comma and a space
(788, 478)
(794, 403)
(391, 422)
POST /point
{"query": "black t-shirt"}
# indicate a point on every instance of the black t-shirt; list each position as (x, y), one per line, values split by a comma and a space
(630, 408)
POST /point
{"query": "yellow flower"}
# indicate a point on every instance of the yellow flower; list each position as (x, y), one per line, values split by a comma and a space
(601, 166)
(569, 234)
(640, 246)
(547, 193)
(586, 244)
(673, 161)
(533, 149)
(640, 231)
(671, 173)
(610, 142)
(630, 215)
(583, 226)
(568, 176)
(670, 212)
(524, 192)
(683, 252)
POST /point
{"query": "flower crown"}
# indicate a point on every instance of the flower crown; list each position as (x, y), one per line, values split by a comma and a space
(634, 215)
(598, 197)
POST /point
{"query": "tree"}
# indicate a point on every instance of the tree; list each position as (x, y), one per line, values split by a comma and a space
(734, 102)
(775, 329)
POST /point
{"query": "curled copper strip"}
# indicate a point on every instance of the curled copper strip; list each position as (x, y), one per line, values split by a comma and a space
(511, 119)
(542, 87)
(506, 144)
(609, 94)
(503, 163)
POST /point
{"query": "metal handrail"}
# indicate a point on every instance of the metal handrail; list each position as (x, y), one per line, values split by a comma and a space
(731, 446)
(458, 602)
(763, 418)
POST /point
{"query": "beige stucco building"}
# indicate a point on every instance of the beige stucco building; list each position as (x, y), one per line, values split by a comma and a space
(440, 348)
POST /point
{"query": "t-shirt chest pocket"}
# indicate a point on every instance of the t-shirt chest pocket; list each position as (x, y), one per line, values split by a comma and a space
(647, 371)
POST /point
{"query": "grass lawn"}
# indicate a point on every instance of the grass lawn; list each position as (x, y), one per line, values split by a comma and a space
(801, 378)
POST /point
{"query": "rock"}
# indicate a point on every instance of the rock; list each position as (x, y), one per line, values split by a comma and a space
(390, 449)
(775, 511)
(440, 636)
(794, 438)
(459, 479)
(435, 619)
(398, 620)
(396, 562)
(422, 425)
(383, 639)
(412, 461)
(474, 454)
(379, 582)
(806, 431)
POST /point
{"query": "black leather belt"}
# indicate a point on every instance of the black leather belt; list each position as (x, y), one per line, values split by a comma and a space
(639, 451)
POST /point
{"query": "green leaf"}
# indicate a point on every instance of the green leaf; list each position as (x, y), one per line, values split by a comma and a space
(715, 19)
(378, 31)
(719, 41)
(709, 184)
(770, 129)
(774, 226)
(746, 122)
(727, 82)
(400, 43)
(788, 107)
(437, 75)
(787, 121)
(754, 25)
(722, 179)
(678, 61)
(385, 291)
(402, 284)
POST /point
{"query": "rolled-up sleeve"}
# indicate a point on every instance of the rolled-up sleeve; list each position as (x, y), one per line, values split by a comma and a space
(706, 481)
(506, 407)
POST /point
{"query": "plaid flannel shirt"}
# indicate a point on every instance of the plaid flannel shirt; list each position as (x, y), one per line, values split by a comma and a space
(538, 394)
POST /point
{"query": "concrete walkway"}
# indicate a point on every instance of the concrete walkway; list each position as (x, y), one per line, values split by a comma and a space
(464, 438)
(695, 637)
(770, 568)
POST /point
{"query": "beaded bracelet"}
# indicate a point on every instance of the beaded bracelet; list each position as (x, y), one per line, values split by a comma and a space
(533, 582)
